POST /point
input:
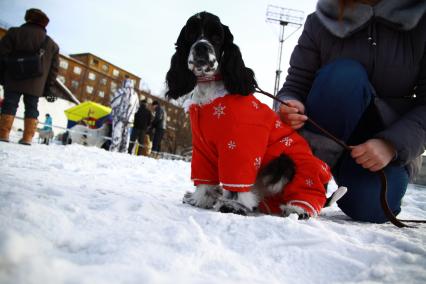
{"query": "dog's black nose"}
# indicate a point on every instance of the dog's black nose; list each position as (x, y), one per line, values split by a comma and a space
(200, 62)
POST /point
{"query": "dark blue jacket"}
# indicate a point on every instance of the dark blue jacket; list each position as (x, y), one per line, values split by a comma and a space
(389, 40)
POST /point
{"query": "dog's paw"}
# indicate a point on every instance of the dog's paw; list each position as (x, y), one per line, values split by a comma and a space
(205, 196)
(231, 206)
(287, 210)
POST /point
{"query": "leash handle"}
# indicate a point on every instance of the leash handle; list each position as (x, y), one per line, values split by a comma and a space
(383, 181)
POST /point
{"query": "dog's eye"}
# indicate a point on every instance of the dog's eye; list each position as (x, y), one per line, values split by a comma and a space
(192, 31)
(215, 33)
(216, 39)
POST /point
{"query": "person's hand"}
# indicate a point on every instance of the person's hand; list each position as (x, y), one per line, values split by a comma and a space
(293, 114)
(374, 154)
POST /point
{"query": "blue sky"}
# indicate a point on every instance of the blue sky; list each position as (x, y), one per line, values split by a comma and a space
(139, 35)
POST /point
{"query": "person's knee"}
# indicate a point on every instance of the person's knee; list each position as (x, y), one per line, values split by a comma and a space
(341, 77)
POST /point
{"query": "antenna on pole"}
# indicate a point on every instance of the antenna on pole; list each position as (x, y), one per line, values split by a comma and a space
(284, 17)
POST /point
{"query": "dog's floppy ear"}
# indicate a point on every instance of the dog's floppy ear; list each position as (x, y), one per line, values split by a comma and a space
(237, 77)
(180, 80)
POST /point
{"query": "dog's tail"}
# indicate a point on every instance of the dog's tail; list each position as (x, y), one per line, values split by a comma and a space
(272, 178)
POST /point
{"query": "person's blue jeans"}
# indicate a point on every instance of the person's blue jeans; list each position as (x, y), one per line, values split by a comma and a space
(341, 101)
(11, 102)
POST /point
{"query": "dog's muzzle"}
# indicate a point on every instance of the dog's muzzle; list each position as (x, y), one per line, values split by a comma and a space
(202, 58)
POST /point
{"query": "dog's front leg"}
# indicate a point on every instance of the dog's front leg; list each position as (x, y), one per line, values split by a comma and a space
(205, 196)
(240, 203)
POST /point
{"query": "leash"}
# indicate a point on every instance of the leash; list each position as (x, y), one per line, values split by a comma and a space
(383, 181)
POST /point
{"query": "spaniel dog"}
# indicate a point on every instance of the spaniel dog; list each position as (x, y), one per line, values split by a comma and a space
(244, 158)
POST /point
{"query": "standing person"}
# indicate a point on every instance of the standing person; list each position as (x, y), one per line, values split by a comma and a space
(359, 71)
(124, 104)
(28, 39)
(158, 125)
(140, 125)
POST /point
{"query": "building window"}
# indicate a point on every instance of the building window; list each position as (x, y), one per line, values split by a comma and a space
(101, 94)
(95, 62)
(103, 81)
(142, 97)
(77, 70)
(115, 73)
(74, 84)
(63, 63)
(149, 100)
(62, 79)
(89, 89)
(113, 86)
(105, 67)
(92, 76)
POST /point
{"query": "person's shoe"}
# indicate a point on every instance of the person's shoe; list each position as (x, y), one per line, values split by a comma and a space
(6, 122)
(30, 126)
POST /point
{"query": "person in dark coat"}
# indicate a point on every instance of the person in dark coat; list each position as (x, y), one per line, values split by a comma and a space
(140, 125)
(158, 126)
(29, 37)
(359, 71)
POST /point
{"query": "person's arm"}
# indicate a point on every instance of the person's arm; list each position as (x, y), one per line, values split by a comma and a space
(157, 117)
(304, 62)
(404, 140)
(53, 70)
(6, 43)
(6, 46)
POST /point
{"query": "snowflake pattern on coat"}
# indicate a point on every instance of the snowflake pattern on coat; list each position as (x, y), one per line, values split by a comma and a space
(219, 110)
(232, 145)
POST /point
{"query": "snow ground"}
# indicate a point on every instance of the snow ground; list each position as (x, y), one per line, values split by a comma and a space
(74, 214)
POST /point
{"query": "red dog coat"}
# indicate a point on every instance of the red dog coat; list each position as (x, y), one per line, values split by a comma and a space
(234, 136)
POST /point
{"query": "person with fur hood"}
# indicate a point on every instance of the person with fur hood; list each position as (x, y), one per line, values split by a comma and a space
(30, 38)
(124, 104)
(359, 71)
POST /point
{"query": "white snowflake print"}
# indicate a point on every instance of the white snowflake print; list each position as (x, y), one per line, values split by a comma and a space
(255, 105)
(278, 124)
(287, 141)
(219, 110)
(309, 182)
(324, 167)
(232, 145)
(257, 162)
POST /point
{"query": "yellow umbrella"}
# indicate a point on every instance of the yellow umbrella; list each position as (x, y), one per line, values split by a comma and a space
(86, 110)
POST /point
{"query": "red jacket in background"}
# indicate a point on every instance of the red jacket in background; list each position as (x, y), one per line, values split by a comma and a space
(234, 136)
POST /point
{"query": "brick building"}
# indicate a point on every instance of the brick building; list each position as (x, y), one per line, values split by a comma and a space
(92, 78)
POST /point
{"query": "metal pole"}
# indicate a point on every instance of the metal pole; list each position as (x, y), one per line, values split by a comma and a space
(280, 51)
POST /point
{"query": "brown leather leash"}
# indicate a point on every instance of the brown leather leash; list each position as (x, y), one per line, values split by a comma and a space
(384, 185)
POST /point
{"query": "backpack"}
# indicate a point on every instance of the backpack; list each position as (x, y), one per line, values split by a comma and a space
(26, 64)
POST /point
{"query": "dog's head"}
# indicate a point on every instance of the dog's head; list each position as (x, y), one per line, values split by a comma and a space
(205, 47)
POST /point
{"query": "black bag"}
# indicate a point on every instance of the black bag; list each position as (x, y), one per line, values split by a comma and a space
(25, 65)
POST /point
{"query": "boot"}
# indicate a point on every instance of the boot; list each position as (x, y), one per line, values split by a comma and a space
(6, 122)
(30, 126)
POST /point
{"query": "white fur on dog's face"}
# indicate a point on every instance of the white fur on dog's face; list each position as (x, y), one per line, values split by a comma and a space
(202, 59)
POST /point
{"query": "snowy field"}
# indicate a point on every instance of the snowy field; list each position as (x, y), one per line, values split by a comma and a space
(74, 214)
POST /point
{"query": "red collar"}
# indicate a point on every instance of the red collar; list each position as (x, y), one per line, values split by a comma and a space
(204, 79)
